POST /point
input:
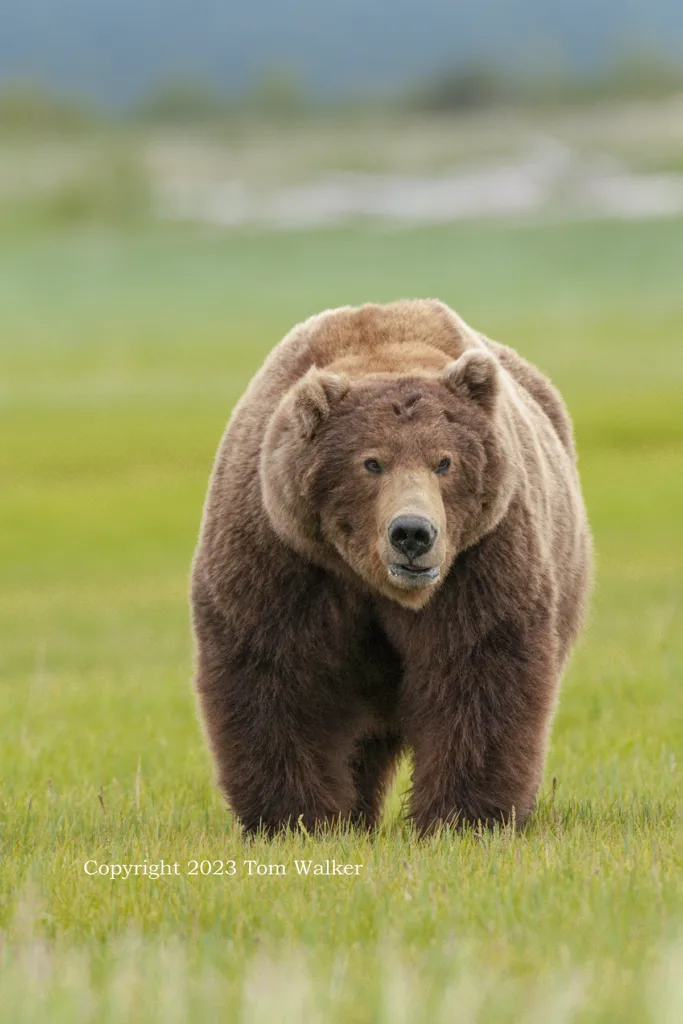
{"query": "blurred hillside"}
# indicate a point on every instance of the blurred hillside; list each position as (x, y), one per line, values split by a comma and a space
(116, 52)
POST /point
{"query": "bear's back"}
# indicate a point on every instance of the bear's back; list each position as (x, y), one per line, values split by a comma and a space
(537, 385)
(394, 337)
(408, 336)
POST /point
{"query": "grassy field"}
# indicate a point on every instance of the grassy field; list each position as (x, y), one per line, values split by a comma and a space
(121, 355)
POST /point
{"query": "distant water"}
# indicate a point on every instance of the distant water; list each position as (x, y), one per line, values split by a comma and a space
(550, 180)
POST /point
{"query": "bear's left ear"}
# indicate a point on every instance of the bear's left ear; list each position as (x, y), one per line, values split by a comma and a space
(474, 375)
(314, 396)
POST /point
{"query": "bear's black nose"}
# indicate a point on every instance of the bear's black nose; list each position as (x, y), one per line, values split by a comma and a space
(412, 535)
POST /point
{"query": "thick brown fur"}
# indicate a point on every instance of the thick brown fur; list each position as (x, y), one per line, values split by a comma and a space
(319, 659)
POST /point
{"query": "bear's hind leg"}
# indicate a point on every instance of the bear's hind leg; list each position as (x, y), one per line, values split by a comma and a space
(373, 766)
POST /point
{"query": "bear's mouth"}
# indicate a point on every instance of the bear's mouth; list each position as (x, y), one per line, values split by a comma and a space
(413, 575)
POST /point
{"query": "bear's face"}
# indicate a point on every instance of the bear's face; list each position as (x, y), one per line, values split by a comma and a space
(393, 474)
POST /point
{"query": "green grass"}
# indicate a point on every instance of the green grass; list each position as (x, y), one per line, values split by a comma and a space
(121, 354)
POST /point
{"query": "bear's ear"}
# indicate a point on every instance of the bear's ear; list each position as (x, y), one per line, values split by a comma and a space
(314, 396)
(474, 375)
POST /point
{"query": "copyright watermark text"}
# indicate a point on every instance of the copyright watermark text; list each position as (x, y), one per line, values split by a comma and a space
(154, 870)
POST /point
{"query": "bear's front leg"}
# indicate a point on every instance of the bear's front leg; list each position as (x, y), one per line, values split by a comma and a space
(280, 761)
(478, 729)
(282, 726)
(280, 783)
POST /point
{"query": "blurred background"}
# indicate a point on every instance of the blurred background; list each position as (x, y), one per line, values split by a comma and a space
(180, 182)
(306, 114)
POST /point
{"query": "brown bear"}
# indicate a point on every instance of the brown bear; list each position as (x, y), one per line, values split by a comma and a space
(394, 556)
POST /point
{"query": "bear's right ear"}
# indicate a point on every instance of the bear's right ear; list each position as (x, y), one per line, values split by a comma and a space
(314, 396)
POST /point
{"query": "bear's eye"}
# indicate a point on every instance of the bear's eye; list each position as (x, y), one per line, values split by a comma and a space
(443, 465)
(372, 466)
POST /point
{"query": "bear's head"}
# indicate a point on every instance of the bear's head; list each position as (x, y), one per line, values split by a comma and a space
(389, 476)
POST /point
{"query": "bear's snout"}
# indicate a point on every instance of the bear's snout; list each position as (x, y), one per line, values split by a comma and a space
(412, 535)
